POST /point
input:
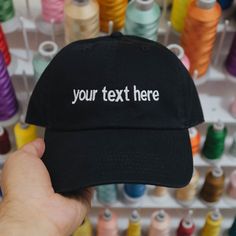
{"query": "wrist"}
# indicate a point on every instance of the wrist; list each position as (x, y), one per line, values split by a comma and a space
(21, 221)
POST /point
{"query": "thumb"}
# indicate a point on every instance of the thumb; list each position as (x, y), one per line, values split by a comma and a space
(36, 148)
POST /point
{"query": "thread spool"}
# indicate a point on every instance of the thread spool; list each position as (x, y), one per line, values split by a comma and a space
(178, 14)
(112, 10)
(5, 145)
(85, 229)
(212, 224)
(53, 10)
(213, 187)
(230, 63)
(107, 224)
(107, 194)
(186, 226)
(81, 20)
(134, 228)
(4, 47)
(160, 191)
(225, 4)
(160, 224)
(51, 20)
(134, 192)
(7, 16)
(214, 145)
(231, 188)
(199, 33)
(195, 139)
(142, 19)
(185, 196)
(179, 52)
(232, 230)
(46, 51)
(24, 134)
(232, 149)
(8, 103)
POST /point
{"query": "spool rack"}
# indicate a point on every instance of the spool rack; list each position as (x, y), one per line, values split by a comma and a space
(216, 96)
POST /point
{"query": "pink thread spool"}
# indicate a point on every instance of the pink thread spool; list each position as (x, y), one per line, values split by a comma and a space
(107, 224)
(179, 52)
(53, 10)
(231, 188)
(160, 224)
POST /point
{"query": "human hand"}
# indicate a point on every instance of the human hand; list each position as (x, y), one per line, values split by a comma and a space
(30, 206)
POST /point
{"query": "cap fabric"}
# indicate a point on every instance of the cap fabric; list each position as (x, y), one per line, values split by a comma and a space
(116, 110)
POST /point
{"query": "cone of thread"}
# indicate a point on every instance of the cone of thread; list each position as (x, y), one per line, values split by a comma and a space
(189, 192)
(213, 147)
(107, 194)
(160, 224)
(85, 229)
(213, 187)
(53, 10)
(231, 188)
(8, 102)
(107, 224)
(5, 145)
(81, 20)
(24, 134)
(134, 228)
(178, 14)
(112, 10)
(7, 10)
(199, 35)
(4, 47)
(212, 226)
(142, 21)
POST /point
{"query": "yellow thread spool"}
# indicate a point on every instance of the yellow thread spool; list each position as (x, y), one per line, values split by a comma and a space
(85, 229)
(178, 14)
(134, 228)
(213, 223)
(24, 134)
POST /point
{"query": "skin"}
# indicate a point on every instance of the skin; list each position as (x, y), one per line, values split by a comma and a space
(30, 205)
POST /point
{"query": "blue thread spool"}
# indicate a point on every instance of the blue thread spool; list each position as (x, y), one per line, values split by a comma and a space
(134, 192)
(107, 194)
(142, 19)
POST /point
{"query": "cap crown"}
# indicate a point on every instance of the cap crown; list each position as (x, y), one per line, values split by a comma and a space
(115, 82)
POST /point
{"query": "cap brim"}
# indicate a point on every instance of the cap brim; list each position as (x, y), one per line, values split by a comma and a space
(93, 157)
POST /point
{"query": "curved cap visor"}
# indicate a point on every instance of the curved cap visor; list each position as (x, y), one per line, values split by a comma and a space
(87, 158)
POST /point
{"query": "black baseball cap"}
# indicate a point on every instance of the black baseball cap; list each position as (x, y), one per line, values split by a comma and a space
(116, 110)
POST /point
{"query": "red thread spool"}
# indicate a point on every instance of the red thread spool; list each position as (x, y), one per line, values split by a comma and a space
(186, 226)
(4, 47)
(5, 145)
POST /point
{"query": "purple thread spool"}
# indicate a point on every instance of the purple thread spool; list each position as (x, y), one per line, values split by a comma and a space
(230, 63)
(8, 102)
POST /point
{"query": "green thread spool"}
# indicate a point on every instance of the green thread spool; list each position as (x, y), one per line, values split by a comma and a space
(47, 50)
(142, 19)
(107, 194)
(232, 230)
(215, 141)
(7, 10)
(232, 150)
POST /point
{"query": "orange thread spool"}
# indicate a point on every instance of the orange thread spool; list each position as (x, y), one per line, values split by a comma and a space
(199, 33)
(195, 139)
(112, 10)
(4, 47)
